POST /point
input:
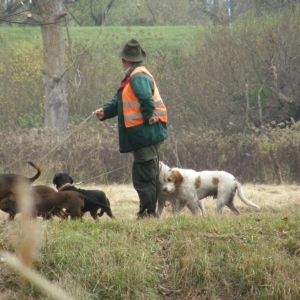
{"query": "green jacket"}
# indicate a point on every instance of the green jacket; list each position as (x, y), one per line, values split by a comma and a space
(144, 135)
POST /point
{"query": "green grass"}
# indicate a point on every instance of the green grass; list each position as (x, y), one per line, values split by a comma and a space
(151, 37)
(227, 257)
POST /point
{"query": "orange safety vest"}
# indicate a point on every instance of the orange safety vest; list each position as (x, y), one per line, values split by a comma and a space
(131, 106)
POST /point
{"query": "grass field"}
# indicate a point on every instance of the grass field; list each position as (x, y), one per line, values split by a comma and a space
(151, 37)
(251, 256)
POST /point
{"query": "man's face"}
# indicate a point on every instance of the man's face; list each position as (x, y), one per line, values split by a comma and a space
(124, 64)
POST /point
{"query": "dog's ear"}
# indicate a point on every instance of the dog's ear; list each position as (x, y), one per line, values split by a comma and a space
(70, 178)
(178, 178)
(54, 180)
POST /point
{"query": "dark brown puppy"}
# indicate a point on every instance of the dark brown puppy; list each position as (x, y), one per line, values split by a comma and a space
(44, 190)
(8, 182)
(93, 199)
(46, 205)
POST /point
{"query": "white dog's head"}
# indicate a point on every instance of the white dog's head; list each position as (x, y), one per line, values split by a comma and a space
(172, 180)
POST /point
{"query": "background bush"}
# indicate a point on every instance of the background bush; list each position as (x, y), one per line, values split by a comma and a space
(89, 152)
(232, 96)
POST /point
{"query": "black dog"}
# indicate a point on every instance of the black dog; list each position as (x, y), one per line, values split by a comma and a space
(93, 199)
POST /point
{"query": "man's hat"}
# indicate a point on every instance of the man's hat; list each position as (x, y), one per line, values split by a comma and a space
(132, 51)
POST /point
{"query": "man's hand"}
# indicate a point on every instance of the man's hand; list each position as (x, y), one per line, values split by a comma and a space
(99, 113)
(153, 119)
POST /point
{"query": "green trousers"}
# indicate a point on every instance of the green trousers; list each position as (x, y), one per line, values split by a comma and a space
(145, 170)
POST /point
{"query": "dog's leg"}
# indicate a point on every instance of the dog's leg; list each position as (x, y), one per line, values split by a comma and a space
(160, 206)
(93, 213)
(232, 207)
(202, 207)
(220, 204)
(193, 206)
(11, 216)
(101, 213)
(75, 208)
(12, 209)
(76, 214)
(177, 206)
(62, 215)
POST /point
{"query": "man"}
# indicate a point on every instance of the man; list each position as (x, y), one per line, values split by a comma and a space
(142, 124)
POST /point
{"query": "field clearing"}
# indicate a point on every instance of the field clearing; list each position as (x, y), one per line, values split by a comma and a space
(272, 199)
(151, 37)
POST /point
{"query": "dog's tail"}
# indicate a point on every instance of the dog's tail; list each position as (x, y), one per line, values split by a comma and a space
(37, 175)
(242, 196)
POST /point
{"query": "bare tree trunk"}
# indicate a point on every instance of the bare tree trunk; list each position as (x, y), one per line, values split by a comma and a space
(259, 105)
(276, 167)
(151, 12)
(50, 15)
(56, 110)
(247, 103)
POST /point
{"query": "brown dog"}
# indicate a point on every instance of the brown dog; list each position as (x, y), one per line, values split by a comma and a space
(8, 183)
(47, 205)
(44, 190)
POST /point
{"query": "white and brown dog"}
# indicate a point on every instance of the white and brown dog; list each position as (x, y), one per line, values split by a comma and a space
(177, 200)
(190, 187)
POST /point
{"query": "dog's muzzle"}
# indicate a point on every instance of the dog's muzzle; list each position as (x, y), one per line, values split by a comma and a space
(165, 190)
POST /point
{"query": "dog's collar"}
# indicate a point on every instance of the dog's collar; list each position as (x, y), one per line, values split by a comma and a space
(63, 186)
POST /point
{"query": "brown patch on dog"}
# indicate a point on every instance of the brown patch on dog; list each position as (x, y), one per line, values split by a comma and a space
(215, 181)
(176, 177)
(198, 182)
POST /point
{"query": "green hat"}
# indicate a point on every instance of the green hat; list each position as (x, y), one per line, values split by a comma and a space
(132, 51)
